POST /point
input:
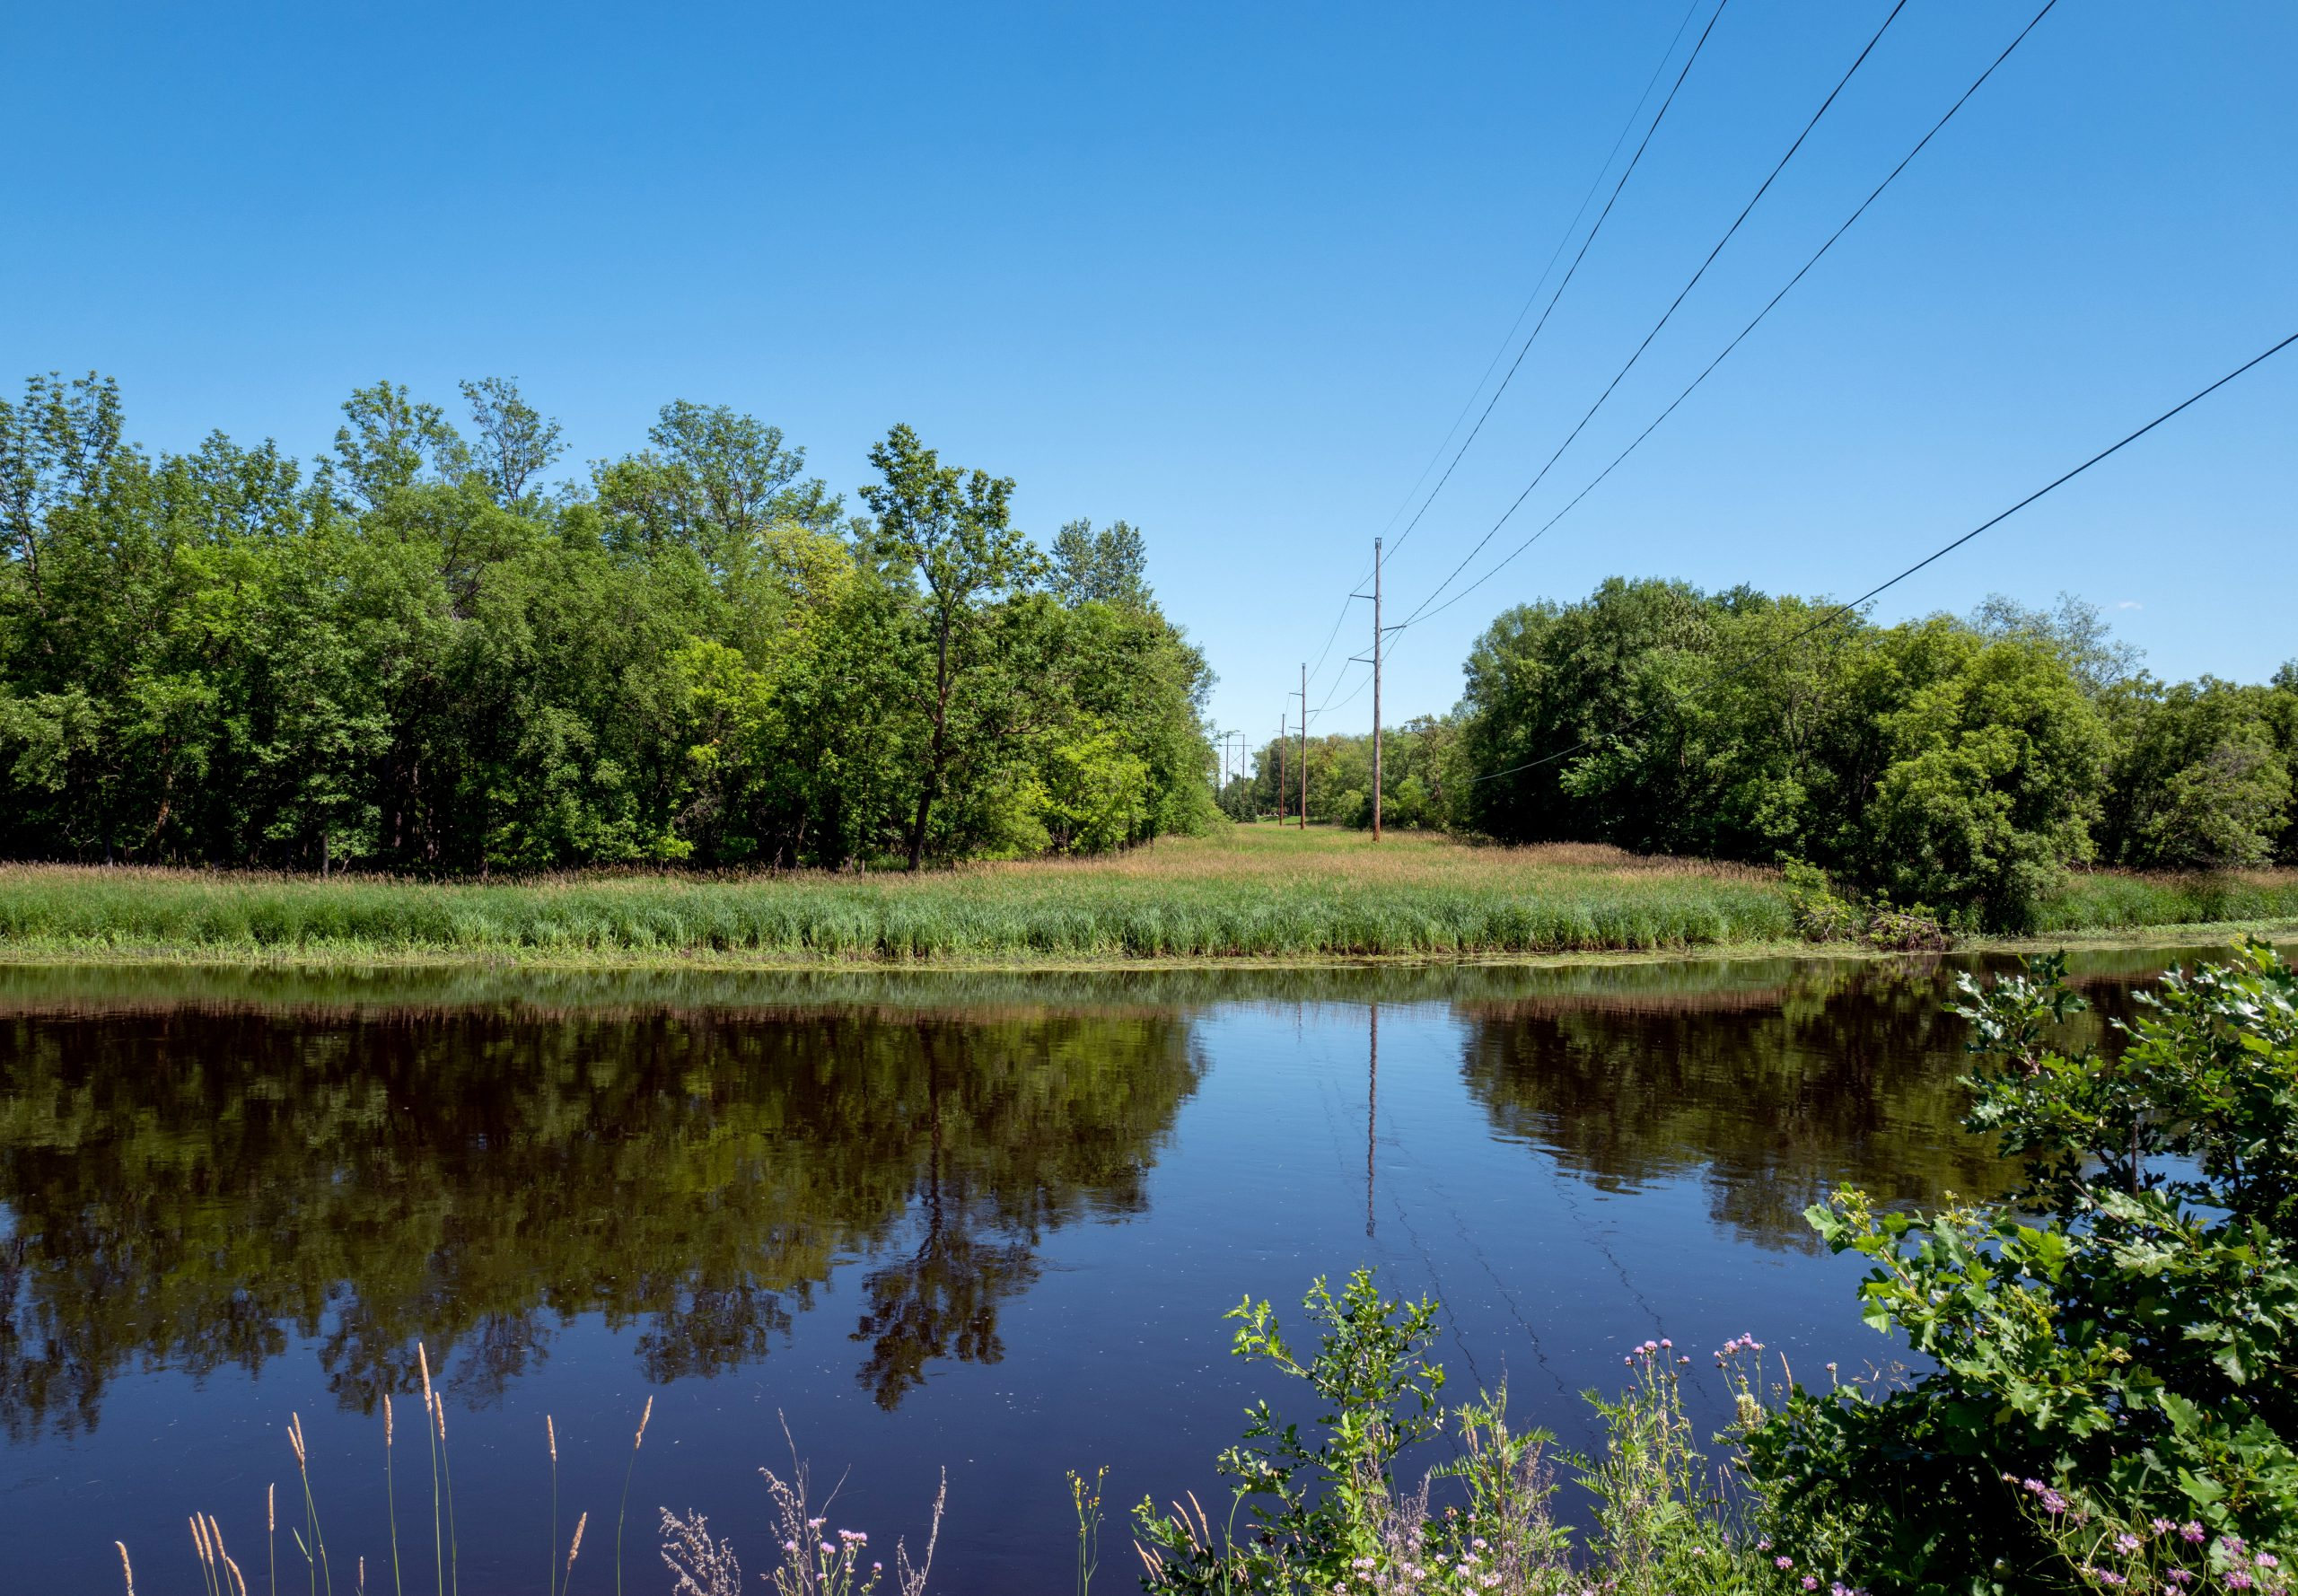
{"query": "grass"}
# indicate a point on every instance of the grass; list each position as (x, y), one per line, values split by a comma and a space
(1252, 893)
(2117, 900)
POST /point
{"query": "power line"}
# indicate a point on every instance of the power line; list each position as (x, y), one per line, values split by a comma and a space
(1620, 375)
(1426, 613)
(1317, 669)
(1531, 298)
(1658, 116)
(1840, 610)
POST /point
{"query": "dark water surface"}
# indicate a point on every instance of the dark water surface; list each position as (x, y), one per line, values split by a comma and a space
(985, 1223)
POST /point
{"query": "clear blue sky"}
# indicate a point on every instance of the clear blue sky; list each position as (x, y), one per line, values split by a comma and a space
(1231, 271)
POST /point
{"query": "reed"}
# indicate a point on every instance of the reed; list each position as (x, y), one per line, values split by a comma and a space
(550, 1433)
(635, 1442)
(1252, 892)
(390, 1492)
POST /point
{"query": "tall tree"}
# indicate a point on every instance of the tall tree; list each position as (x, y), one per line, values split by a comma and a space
(516, 442)
(951, 530)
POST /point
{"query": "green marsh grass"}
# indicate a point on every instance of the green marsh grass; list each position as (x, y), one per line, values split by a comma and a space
(1254, 892)
(1248, 892)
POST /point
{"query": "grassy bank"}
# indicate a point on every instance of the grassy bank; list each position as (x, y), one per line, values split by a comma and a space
(1253, 893)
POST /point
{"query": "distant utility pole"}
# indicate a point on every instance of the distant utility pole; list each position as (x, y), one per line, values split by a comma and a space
(1304, 745)
(1377, 634)
(1281, 735)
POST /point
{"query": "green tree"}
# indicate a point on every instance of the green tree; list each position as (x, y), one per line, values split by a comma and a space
(951, 531)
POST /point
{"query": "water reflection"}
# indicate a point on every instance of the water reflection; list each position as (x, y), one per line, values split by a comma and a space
(199, 1171)
(198, 1185)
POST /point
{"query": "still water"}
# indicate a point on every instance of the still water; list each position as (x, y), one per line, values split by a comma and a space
(985, 1223)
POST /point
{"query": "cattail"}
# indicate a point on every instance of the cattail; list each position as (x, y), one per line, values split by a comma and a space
(551, 1430)
(643, 1418)
(578, 1541)
(125, 1567)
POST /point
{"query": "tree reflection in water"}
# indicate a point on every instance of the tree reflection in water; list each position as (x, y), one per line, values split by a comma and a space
(197, 1187)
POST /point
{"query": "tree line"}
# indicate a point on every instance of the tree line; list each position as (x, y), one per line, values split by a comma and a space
(1961, 763)
(418, 654)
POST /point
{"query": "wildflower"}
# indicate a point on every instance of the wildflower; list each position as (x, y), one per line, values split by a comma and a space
(2053, 1502)
(2190, 1532)
(2266, 1560)
(1783, 1562)
(816, 1523)
(2034, 1485)
(1811, 1582)
(2179, 1576)
(854, 1537)
(2125, 1543)
(1478, 1543)
(2239, 1579)
(2233, 1543)
(1764, 1545)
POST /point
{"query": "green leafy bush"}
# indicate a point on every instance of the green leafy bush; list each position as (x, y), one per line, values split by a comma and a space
(1322, 1508)
(2123, 1355)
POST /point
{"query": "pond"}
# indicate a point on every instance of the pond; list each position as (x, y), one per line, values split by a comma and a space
(985, 1223)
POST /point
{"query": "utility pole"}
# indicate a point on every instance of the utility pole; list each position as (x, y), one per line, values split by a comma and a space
(1281, 738)
(1377, 633)
(1304, 745)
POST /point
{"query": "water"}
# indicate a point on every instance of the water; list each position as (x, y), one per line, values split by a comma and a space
(985, 1223)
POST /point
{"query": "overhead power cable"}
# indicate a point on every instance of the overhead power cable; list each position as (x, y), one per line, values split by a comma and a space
(1316, 670)
(1426, 613)
(1628, 173)
(1665, 316)
(1831, 617)
(1547, 271)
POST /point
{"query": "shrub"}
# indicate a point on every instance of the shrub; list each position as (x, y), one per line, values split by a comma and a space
(2132, 1351)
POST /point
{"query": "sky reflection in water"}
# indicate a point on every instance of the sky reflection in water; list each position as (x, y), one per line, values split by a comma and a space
(987, 1222)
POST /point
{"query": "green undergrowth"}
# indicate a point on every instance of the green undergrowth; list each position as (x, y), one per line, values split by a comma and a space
(940, 916)
(1310, 901)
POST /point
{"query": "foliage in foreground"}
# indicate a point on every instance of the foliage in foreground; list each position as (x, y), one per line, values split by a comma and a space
(2114, 1389)
(1322, 1510)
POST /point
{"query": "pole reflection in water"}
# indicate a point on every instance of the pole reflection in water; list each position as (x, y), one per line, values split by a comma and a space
(987, 1222)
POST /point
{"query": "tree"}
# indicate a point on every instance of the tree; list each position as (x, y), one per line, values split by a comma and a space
(952, 531)
(516, 443)
(388, 440)
(716, 482)
(1110, 567)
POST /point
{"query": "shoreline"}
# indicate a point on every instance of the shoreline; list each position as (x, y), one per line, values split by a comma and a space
(42, 953)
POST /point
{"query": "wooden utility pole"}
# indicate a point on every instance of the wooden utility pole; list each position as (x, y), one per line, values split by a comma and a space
(1375, 663)
(1304, 745)
(1281, 738)
(1376, 704)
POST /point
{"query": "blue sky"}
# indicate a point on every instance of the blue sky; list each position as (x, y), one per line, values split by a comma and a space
(1231, 271)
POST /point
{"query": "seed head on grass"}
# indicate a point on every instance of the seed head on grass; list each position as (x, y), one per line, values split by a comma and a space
(127, 1569)
(575, 1550)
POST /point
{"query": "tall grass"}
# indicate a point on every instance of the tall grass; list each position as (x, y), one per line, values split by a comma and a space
(1250, 892)
(2119, 901)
